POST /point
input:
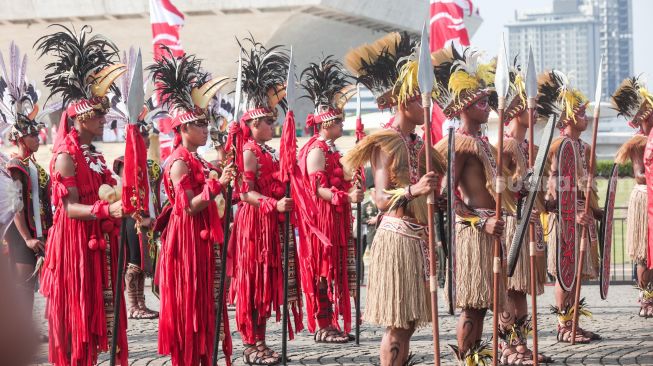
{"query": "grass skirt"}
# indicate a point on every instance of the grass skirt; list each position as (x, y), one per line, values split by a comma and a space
(521, 279)
(590, 262)
(474, 275)
(637, 225)
(397, 292)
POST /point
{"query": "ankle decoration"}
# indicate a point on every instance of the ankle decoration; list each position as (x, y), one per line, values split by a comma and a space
(517, 333)
(479, 355)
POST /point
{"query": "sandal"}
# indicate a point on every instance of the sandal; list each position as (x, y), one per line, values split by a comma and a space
(138, 313)
(330, 335)
(260, 354)
(591, 335)
(564, 335)
(512, 357)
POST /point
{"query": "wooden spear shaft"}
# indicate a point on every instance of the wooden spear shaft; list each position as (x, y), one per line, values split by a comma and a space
(433, 283)
(585, 238)
(496, 268)
(531, 230)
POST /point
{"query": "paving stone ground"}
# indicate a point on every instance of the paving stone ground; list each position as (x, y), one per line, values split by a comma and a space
(628, 339)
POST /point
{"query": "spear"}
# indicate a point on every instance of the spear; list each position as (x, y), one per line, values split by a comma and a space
(287, 163)
(359, 225)
(425, 78)
(531, 94)
(227, 221)
(134, 182)
(588, 192)
(501, 81)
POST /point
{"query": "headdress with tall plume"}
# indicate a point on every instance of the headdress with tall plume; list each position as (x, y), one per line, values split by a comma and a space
(555, 95)
(83, 70)
(183, 87)
(18, 97)
(633, 101)
(328, 87)
(378, 66)
(462, 79)
(264, 74)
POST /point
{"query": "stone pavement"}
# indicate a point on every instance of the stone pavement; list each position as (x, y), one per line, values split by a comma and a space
(628, 339)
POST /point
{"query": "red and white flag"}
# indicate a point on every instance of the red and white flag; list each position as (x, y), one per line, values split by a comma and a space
(448, 24)
(166, 21)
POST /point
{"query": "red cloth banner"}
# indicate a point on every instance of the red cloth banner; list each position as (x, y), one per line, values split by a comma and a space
(447, 25)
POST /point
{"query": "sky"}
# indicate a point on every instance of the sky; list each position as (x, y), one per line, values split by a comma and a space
(497, 13)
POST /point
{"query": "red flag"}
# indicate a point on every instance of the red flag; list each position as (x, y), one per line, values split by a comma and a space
(288, 148)
(134, 181)
(166, 21)
(447, 25)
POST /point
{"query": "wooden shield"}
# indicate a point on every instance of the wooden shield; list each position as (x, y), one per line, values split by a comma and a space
(606, 232)
(451, 223)
(567, 251)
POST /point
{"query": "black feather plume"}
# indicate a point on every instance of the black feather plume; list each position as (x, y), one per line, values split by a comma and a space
(175, 78)
(548, 90)
(264, 69)
(322, 81)
(77, 56)
(627, 99)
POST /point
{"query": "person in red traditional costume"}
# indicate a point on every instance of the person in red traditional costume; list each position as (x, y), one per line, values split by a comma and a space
(26, 236)
(514, 323)
(257, 235)
(398, 296)
(554, 90)
(191, 239)
(324, 266)
(633, 101)
(78, 277)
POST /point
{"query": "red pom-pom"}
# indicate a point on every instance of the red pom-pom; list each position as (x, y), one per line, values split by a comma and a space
(338, 172)
(282, 217)
(204, 234)
(93, 244)
(102, 244)
(107, 226)
(279, 191)
(335, 181)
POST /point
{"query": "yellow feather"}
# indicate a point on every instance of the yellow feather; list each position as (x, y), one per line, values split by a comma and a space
(407, 83)
(461, 81)
(485, 73)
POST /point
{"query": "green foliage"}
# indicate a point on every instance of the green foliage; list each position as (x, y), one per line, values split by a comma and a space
(604, 168)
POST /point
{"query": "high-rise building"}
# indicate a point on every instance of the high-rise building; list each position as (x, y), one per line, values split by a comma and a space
(616, 41)
(574, 35)
(565, 37)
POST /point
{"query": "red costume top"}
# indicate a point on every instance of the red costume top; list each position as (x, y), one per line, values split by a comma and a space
(320, 260)
(256, 247)
(77, 276)
(186, 269)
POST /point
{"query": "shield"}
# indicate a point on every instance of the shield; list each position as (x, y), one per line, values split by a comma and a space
(451, 222)
(567, 251)
(533, 190)
(606, 232)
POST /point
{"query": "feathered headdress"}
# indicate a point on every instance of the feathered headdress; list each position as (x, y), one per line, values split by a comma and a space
(377, 66)
(264, 74)
(555, 95)
(18, 96)
(329, 88)
(183, 87)
(632, 100)
(83, 70)
(462, 79)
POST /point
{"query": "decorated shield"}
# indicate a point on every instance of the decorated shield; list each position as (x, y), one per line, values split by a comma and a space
(606, 232)
(451, 222)
(567, 251)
